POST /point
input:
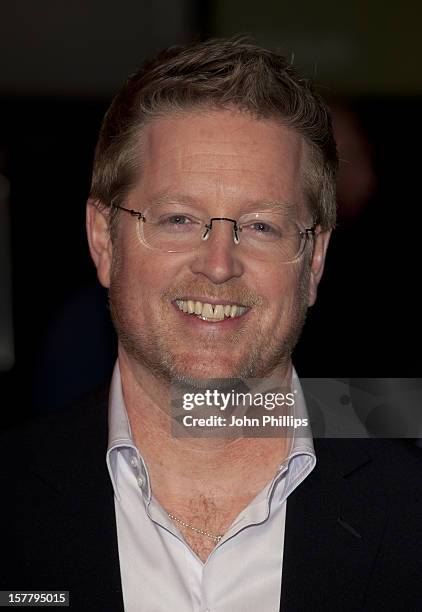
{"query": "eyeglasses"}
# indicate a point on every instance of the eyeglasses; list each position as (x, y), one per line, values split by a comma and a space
(180, 229)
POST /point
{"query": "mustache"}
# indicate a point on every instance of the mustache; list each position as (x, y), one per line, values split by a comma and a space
(237, 293)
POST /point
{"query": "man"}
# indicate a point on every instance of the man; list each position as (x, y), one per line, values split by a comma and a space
(209, 218)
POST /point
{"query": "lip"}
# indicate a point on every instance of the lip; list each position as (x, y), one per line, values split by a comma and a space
(207, 300)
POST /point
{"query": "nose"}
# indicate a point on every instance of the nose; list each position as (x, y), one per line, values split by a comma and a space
(218, 257)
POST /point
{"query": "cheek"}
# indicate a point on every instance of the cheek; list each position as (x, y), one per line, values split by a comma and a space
(280, 286)
(142, 277)
(126, 271)
(287, 310)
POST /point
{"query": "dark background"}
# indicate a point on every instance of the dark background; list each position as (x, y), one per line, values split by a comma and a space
(60, 65)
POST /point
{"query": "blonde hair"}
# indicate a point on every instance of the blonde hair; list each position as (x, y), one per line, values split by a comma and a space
(216, 74)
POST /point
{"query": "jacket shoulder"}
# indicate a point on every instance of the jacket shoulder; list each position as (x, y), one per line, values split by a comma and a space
(56, 437)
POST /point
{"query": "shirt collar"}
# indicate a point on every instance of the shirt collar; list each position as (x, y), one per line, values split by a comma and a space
(120, 438)
(303, 442)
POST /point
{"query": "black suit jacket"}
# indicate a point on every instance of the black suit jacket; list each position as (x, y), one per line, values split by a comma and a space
(353, 537)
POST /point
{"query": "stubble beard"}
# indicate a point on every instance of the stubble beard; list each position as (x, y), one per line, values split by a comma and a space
(157, 349)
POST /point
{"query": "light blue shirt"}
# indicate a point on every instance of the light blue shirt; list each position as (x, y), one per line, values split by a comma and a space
(160, 572)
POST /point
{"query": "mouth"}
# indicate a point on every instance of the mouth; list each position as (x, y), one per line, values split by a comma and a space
(207, 311)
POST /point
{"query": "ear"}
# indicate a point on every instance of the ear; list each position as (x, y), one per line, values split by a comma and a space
(99, 241)
(321, 241)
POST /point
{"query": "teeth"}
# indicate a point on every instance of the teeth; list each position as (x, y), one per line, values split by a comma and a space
(207, 312)
(219, 312)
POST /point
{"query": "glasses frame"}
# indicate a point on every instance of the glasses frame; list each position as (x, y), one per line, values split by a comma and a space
(305, 233)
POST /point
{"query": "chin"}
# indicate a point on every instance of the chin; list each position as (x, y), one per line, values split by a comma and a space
(203, 370)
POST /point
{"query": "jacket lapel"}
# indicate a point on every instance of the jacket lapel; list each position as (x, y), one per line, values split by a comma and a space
(93, 541)
(333, 529)
(85, 558)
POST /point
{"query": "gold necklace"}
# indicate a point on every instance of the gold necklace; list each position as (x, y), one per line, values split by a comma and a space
(214, 537)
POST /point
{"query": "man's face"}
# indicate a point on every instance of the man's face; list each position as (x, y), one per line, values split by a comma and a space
(224, 164)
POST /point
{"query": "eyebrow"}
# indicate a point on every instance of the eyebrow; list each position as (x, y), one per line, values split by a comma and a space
(283, 206)
(166, 198)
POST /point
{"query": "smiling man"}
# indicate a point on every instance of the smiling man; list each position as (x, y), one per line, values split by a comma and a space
(198, 165)
(209, 217)
(194, 300)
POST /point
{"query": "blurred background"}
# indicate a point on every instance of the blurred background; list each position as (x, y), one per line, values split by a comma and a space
(61, 62)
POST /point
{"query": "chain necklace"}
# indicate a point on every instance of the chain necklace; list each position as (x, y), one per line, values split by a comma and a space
(214, 537)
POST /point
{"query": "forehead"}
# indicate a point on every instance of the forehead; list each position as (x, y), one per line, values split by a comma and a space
(221, 158)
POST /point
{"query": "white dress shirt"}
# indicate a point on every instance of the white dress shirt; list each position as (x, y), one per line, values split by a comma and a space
(160, 572)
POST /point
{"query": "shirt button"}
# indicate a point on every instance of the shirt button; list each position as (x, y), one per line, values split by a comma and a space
(134, 462)
(140, 481)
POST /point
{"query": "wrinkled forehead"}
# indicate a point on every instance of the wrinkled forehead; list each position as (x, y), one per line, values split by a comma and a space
(222, 158)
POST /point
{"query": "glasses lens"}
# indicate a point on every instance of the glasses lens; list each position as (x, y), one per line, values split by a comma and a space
(177, 228)
(172, 228)
(270, 235)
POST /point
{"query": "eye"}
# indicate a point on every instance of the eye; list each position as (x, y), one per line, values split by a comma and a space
(263, 230)
(177, 220)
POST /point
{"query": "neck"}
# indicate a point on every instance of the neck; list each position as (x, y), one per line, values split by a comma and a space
(147, 401)
(203, 482)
